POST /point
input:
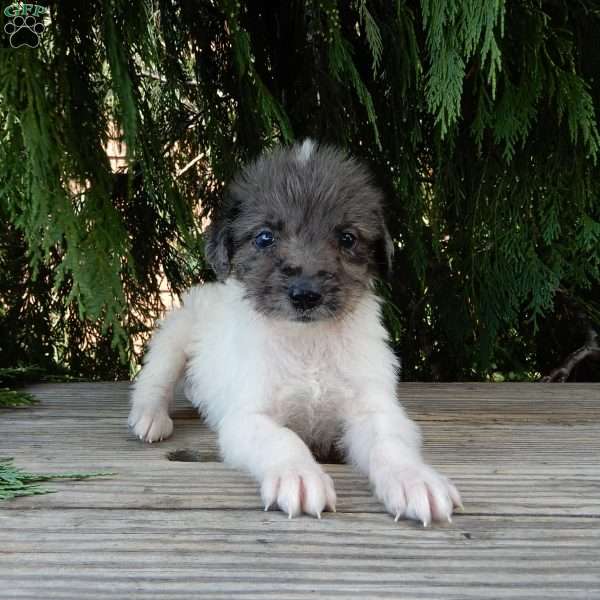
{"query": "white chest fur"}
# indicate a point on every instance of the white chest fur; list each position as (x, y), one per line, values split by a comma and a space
(309, 387)
(303, 375)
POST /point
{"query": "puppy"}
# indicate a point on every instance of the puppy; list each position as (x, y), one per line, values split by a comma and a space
(287, 352)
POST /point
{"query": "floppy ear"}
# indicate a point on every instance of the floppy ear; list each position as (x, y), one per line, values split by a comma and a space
(218, 247)
(384, 253)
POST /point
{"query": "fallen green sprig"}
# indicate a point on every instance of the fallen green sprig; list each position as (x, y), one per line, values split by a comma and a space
(16, 482)
(14, 398)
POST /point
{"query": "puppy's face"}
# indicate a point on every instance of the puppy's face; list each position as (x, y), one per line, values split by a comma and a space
(302, 230)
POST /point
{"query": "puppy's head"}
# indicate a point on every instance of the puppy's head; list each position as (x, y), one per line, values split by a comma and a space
(302, 230)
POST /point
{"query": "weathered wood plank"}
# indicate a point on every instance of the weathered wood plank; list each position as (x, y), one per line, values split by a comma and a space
(472, 402)
(445, 443)
(82, 554)
(214, 486)
(526, 458)
(494, 424)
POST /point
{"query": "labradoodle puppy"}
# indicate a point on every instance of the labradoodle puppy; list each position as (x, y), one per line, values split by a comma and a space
(286, 352)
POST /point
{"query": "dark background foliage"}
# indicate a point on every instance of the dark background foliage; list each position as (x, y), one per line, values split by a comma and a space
(479, 119)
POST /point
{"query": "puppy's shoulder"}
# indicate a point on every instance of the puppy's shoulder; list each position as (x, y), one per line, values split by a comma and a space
(367, 321)
(199, 296)
(212, 297)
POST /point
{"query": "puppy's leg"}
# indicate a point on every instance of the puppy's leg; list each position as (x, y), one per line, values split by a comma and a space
(280, 461)
(385, 445)
(163, 365)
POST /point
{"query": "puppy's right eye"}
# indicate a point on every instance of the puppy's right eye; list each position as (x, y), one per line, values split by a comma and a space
(264, 239)
(347, 240)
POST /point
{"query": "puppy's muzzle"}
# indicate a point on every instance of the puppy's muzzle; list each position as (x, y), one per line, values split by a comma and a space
(304, 295)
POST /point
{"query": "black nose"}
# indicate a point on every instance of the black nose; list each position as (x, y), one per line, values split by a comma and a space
(304, 297)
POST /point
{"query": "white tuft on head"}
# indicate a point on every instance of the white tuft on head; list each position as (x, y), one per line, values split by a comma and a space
(305, 151)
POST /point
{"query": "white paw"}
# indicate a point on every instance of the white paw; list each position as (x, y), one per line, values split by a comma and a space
(416, 491)
(151, 425)
(299, 488)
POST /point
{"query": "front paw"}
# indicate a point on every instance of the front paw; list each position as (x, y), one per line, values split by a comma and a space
(416, 491)
(151, 425)
(299, 488)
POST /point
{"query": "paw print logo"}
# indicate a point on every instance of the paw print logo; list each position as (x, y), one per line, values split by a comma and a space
(24, 31)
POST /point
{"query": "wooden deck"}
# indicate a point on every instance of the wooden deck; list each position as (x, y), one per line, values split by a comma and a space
(525, 457)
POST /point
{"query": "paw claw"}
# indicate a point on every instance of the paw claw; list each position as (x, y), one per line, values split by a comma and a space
(415, 491)
(150, 425)
(299, 488)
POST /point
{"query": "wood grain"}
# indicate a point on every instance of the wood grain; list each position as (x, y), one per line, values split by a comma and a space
(199, 553)
(525, 456)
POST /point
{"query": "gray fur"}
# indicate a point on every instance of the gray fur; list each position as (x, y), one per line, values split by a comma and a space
(307, 203)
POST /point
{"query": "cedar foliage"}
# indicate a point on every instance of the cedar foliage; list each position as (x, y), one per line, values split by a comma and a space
(478, 118)
(15, 482)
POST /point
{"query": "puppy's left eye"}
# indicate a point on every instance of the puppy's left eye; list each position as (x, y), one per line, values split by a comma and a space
(347, 240)
(264, 239)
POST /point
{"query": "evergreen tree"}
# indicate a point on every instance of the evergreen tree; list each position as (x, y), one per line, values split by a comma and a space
(479, 119)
